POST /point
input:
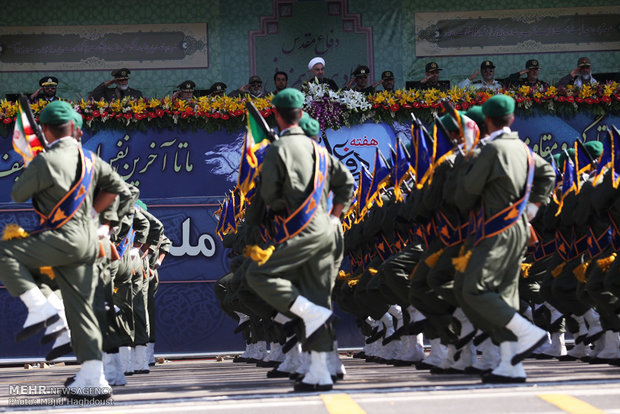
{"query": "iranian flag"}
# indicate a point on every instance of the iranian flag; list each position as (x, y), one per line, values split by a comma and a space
(25, 141)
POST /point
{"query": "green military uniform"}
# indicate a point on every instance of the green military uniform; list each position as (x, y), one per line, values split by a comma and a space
(304, 263)
(71, 249)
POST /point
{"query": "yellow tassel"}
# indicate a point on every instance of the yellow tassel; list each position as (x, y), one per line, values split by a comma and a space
(606, 262)
(460, 263)
(260, 256)
(558, 270)
(343, 275)
(115, 290)
(48, 271)
(580, 271)
(14, 231)
(372, 271)
(354, 281)
(432, 260)
(525, 270)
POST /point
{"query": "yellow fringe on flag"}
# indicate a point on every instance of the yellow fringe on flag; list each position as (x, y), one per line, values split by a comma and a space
(558, 270)
(432, 260)
(260, 256)
(606, 262)
(342, 275)
(115, 290)
(354, 281)
(48, 271)
(580, 271)
(525, 270)
(460, 263)
(372, 271)
(14, 231)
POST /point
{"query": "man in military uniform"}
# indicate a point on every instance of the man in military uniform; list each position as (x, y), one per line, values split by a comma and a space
(66, 241)
(253, 89)
(581, 75)
(487, 83)
(387, 81)
(431, 79)
(359, 80)
(186, 90)
(509, 180)
(297, 277)
(122, 89)
(531, 70)
(316, 66)
(47, 90)
(217, 89)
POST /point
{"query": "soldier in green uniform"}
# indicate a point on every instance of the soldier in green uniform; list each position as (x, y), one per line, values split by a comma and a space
(67, 242)
(297, 278)
(506, 176)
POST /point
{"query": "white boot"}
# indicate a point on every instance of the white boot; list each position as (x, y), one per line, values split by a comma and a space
(578, 351)
(109, 368)
(542, 348)
(506, 372)
(388, 324)
(54, 330)
(595, 330)
(438, 353)
(582, 333)
(411, 350)
(62, 346)
(528, 314)
(260, 350)
(139, 360)
(249, 350)
(611, 347)
(447, 362)
(557, 348)
(529, 337)
(40, 313)
(125, 354)
(317, 378)
(291, 360)
(467, 330)
(150, 347)
(120, 372)
(466, 358)
(275, 352)
(89, 382)
(397, 312)
(304, 366)
(490, 356)
(313, 315)
(555, 314)
(334, 364)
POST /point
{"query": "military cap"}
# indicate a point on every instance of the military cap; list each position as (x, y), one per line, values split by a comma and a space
(361, 70)
(122, 73)
(487, 64)
(57, 113)
(583, 62)
(532, 64)
(475, 113)
(187, 86)
(288, 98)
(255, 79)
(48, 81)
(498, 105)
(388, 74)
(310, 125)
(218, 86)
(432, 66)
(594, 148)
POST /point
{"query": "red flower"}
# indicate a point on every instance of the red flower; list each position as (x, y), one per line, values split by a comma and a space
(464, 106)
(189, 110)
(224, 116)
(589, 101)
(152, 114)
(578, 99)
(96, 114)
(457, 107)
(375, 106)
(238, 112)
(406, 106)
(118, 116)
(7, 120)
(394, 107)
(215, 115)
(385, 107)
(185, 115)
(596, 100)
(537, 100)
(561, 99)
(88, 118)
(127, 116)
(617, 96)
(435, 105)
(265, 113)
(519, 99)
(570, 99)
(424, 105)
(416, 104)
(104, 114)
(159, 113)
(175, 112)
(606, 99)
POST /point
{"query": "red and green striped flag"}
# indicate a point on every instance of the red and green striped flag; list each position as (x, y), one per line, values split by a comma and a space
(25, 141)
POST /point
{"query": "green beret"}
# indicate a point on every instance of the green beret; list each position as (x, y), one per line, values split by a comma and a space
(594, 148)
(288, 98)
(475, 113)
(57, 113)
(449, 122)
(78, 120)
(310, 125)
(557, 158)
(498, 105)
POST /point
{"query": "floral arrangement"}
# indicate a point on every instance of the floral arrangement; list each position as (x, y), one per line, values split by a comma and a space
(332, 109)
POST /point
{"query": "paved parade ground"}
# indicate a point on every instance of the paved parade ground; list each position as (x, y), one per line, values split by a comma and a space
(219, 385)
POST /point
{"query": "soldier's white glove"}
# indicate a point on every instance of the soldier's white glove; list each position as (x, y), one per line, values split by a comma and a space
(103, 231)
(134, 253)
(157, 264)
(334, 220)
(531, 211)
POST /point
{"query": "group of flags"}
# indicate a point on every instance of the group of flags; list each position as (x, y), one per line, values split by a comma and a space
(573, 168)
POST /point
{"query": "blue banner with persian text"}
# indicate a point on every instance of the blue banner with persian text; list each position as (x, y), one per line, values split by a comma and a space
(183, 176)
